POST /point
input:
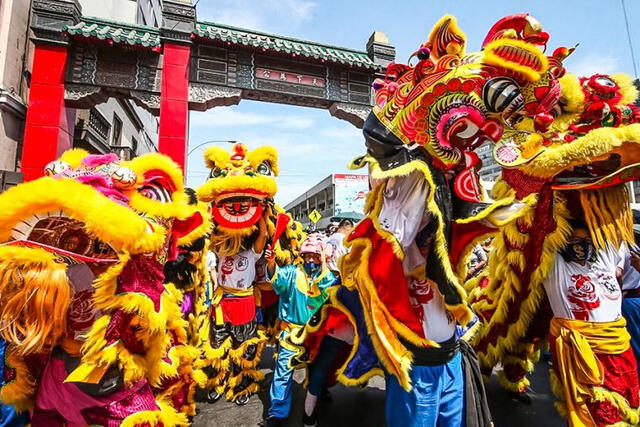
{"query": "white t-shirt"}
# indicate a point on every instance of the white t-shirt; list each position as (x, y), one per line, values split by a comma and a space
(81, 313)
(211, 261)
(437, 323)
(588, 292)
(337, 250)
(404, 214)
(630, 276)
(238, 271)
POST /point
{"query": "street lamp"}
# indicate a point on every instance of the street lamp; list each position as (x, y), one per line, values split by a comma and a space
(210, 142)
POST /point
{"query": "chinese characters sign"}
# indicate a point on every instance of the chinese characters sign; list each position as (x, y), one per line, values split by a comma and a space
(284, 76)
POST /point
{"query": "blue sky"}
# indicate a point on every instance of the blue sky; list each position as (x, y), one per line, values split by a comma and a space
(311, 143)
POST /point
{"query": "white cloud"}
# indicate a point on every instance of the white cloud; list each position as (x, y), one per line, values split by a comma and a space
(342, 133)
(232, 117)
(266, 15)
(592, 64)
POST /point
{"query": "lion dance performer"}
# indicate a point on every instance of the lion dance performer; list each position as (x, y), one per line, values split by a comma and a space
(553, 264)
(301, 288)
(240, 193)
(84, 305)
(425, 210)
(287, 251)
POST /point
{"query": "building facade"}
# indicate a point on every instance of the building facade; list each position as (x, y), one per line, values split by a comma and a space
(115, 125)
(335, 197)
(14, 41)
(119, 125)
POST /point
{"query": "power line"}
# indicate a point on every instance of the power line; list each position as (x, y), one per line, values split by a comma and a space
(633, 56)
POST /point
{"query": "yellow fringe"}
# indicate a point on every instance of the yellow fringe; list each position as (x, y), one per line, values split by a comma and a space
(592, 146)
(251, 389)
(236, 355)
(505, 284)
(607, 212)
(19, 393)
(165, 416)
(518, 387)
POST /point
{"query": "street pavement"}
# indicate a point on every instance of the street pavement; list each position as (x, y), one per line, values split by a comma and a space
(355, 407)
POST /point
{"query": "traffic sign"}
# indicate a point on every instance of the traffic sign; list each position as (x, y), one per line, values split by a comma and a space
(315, 216)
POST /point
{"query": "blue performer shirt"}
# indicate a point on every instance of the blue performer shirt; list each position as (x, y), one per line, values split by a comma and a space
(300, 296)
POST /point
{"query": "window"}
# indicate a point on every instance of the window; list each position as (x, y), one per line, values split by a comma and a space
(134, 145)
(116, 133)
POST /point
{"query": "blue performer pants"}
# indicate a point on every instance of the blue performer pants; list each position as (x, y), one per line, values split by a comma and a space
(321, 366)
(280, 391)
(436, 399)
(631, 312)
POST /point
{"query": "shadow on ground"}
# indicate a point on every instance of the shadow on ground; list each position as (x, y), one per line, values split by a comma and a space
(353, 406)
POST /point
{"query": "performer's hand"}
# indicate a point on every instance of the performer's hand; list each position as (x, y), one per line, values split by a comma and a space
(270, 255)
(635, 260)
(323, 259)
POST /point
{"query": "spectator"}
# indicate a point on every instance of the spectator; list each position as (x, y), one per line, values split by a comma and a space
(336, 245)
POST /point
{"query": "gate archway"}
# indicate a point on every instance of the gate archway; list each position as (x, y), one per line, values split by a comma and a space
(185, 65)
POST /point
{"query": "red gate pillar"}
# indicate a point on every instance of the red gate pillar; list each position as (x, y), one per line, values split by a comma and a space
(174, 103)
(49, 124)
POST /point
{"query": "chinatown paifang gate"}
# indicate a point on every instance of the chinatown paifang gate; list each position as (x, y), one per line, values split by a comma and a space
(185, 65)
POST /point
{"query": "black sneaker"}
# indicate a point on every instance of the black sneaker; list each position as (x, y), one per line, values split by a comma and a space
(271, 422)
(309, 420)
(242, 400)
(522, 397)
(213, 396)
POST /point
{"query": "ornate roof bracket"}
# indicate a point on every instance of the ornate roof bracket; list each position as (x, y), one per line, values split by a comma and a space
(355, 114)
(204, 96)
(86, 96)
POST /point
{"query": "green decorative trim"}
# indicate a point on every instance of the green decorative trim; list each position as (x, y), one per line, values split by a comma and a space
(133, 35)
(291, 46)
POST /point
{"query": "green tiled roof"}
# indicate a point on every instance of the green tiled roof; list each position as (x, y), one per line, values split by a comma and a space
(254, 39)
(138, 35)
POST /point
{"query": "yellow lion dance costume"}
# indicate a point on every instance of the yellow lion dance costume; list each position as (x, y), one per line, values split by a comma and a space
(240, 193)
(85, 310)
(560, 181)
